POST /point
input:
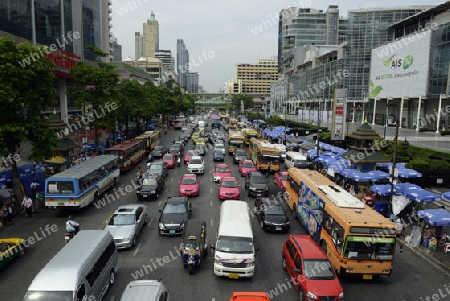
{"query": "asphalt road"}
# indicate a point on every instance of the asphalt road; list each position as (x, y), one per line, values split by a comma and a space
(413, 278)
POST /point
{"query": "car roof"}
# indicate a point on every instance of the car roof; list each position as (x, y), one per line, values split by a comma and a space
(222, 165)
(196, 157)
(247, 161)
(176, 200)
(128, 209)
(229, 179)
(270, 201)
(189, 175)
(255, 174)
(308, 247)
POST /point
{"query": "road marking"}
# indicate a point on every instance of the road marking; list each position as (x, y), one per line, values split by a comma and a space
(211, 222)
(137, 249)
(210, 190)
(211, 203)
(159, 204)
(150, 223)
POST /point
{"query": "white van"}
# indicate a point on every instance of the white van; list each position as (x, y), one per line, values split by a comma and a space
(201, 125)
(297, 160)
(82, 270)
(282, 148)
(234, 255)
(149, 290)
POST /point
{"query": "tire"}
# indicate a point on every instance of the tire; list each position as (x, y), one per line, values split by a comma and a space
(112, 278)
(301, 294)
(248, 193)
(95, 197)
(284, 263)
(146, 221)
(262, 225)
(157, 195)
(191, 268)
(133, 244)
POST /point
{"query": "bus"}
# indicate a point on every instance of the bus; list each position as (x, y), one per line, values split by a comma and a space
(357, 240)
(232, 124)
(249, 133)
(151, 139)
(130, 153)
(235, 139)
(263, 154)
(83, 183)
(215, 122)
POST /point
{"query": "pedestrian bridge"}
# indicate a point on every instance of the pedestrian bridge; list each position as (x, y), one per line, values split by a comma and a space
(212, 100)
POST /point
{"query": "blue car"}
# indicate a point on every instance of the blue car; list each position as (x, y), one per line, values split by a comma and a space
(218, 156)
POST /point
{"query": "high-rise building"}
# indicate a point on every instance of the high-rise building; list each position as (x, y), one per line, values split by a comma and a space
(147, 43)
(166, 58)
(117, 50)
(182, 62)
(192, 82)
(305, 26)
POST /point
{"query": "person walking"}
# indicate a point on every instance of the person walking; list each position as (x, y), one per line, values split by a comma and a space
(33, 187)
(27, 204)
(6, 215)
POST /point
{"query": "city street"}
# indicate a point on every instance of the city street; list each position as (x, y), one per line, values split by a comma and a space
(413, 278)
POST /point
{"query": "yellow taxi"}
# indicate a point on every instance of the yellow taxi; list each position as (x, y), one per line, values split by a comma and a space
(195, 136)
(200, 141)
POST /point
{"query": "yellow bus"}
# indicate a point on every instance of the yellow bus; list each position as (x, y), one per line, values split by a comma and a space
(264, 154)
(235, 140)
(151, 139)
(224, 117)
(249, 133)
(232, 124)
(357, 239)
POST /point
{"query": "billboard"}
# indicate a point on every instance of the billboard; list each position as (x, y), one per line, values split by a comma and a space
(400, 68)
(339, 113)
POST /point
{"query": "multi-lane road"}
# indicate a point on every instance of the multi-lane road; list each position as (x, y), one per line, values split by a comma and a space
(413, 278)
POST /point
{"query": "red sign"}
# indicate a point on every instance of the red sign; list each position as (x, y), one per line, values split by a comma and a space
(339, 110)
(64, 59)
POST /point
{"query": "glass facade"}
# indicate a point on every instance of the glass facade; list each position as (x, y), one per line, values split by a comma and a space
(15, 17)
(68, 22)
(91, 20)
(48, 22)
(439, 61)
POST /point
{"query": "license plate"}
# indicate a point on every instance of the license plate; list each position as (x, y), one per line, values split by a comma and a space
(67, 238)
(259, 194)
(144, 196)
(188, 193)
(367, 277)
(233, 276)
(172, 231)
(278, 228)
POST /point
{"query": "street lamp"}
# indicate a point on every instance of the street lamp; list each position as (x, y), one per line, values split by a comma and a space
(318, 131)
(34, 170)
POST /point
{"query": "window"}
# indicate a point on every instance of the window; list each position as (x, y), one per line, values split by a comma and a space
(292, 251)
(298, 263)
(101, 263)
(81, 292)
(163, 296)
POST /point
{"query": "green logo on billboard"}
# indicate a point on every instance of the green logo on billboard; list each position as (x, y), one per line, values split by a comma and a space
(388, 61)
(408, 61)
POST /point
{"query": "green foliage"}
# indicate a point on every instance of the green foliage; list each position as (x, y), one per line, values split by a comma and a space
(254, 115)
(276, 120)
(237, 98)
(445, 133)
(424, 129)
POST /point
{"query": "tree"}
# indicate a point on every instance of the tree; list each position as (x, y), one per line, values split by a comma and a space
(96, 89)
(132, 103)
(26, 90)
(237, 98)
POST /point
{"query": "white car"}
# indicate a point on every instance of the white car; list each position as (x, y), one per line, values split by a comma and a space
(220, 147)
(196, 165)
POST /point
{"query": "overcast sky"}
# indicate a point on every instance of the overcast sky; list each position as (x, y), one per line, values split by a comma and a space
(219, 34)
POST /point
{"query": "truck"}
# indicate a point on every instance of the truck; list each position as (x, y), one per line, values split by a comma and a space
(235, 139)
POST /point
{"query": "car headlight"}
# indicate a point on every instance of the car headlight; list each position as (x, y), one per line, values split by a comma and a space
(311, 296)
(182, 225)
(267, 223)
(161, 225)
(252, 188)
(251, 264)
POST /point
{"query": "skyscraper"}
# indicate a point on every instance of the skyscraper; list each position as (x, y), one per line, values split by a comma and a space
(147, 43)
(166, 58)
(182, 63)
(192, 82)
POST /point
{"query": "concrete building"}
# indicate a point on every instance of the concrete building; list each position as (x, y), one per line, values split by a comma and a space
(166, 57)
(154, 68)
(192, 82)
(147, 43)
(117, 50)
(182, 62)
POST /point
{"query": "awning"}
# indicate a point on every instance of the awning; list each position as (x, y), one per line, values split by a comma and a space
(435, 217)
(422, 195)
(446, 196)
(56, 160)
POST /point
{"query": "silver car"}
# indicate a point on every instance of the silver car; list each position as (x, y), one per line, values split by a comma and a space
(126, 224)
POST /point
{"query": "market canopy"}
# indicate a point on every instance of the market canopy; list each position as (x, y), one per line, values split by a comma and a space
(421, 195)
(312, 153)
(378, 175)
(435, 217)
(402, 188)
(408, 173)
(446, 196)
(381, 189)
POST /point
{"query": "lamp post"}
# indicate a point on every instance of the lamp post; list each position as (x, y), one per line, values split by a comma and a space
(394, 160)
(318, 131)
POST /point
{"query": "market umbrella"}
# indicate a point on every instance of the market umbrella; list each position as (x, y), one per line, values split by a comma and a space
(446, 196)
(312, 153)
(378, 175)
(422, 195)
(401, 188)
(435, 217)
(408, 173)
(381, 189)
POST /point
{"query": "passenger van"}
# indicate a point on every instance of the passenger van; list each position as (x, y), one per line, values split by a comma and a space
(234, 255)
(282, 148)
(82, 270)
(150, 290)
(295, 159)
(201, 126)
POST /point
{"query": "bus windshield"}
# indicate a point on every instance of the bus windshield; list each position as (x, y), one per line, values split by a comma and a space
(230, 244)
(369, 248)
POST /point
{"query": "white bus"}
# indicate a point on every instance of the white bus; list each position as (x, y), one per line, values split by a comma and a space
(234, 255)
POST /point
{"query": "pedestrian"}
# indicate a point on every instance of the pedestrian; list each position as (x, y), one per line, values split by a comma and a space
(33, 187)
(27, 204)
(6, 215)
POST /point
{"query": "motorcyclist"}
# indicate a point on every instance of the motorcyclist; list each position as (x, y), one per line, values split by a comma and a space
(72, 227)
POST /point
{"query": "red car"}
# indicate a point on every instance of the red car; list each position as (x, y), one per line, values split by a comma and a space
(189, 185)
(280, 179)
(170, 159)
(245, 166)
(312, 274)
(221, 170)
(229, 189)
(189, 155)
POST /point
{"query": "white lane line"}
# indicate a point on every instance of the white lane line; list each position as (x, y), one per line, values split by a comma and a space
(150, 223)
(210, 190)
(211, 222)
(159, 204)
(211, 203)
(137, 249)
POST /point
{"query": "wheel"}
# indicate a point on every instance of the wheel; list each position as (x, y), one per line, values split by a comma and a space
(111, 278)
(146, 221)
(248, 193)
(133, 244)
(284, 263)
(157, 195)
(191, 268)
(323, 246)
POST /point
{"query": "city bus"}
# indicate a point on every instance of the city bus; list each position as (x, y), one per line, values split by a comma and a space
(357, 240)
(215, 122)
(263, 154)
(249, 133)
(232, 124)
(235, 139)
(130, 153)
(151, 139)
(83, 183)
(224, 118)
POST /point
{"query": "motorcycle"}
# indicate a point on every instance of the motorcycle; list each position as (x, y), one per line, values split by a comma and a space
(178, 161)
(194, 247)
(138, 178)
(69, 235)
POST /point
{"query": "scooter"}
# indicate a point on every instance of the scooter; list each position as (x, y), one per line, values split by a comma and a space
(69, 235)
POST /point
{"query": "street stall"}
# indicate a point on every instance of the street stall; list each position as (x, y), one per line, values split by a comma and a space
(436, 219)
(54, 165)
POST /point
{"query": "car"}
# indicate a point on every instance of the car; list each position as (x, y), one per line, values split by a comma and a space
(170, 159)
(239, 155)
(10, 249)
(126, 223)
(256, 184)
(158, 168)
(218, 155)
(176, 211)
(189, 185)
(271, 215)
(151, 186)
(246, 296)
(185, 137)
(159, 151)
(189, 154)
(220, 147)
(221, 135)
(246, 166)
(308, 265)
(184, 129)
(221, 170)
(196, 165)
(280, 179)
(153, 290)
(200, 141)
(195, 136)
(200, 150)
(229, 189)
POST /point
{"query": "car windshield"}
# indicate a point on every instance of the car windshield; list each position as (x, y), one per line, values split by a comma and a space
(318, 269)
(119, 219)
(248, 165)
(174, 208)
(222, 169)
(218, 152)
(155, 167)
(240, 152)
(167, 157)
(195, 161)
(229, 184)
(273, 209)
(190, 153)
(258, 180)
(220, 146)
(149, 182)
(188, 181)
(230, 244)
(158, 148)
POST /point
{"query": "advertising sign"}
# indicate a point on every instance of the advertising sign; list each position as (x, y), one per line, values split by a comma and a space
(339, 112)
(400, 68)
(310, 213)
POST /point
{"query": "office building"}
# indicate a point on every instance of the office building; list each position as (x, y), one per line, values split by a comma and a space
(192, 82)
(167, 58)
(146, 44)
(117, 50)
(182, 63)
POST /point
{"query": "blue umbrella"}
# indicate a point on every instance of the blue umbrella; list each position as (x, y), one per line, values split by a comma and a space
(446, 196)
(401, 188)
(347, 173)
(378, 175)
(422, 195)
(408, 173)
(312, 153)
(382, 190)
(338, 150)
(435, 217)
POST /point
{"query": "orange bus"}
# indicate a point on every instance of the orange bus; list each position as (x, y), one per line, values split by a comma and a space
(151, 139)
(357, 239)
(263, 153)
(130, 153)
